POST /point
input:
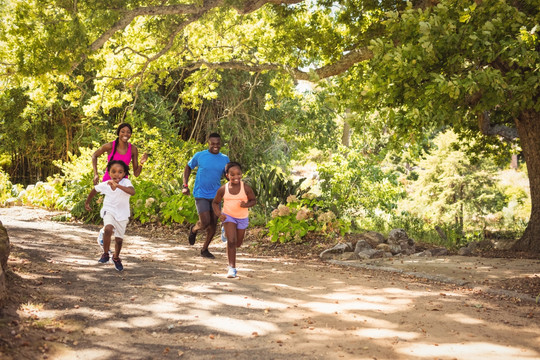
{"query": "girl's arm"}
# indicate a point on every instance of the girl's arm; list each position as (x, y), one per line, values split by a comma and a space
(217, 201)
(251, 197)
(104, 148)
(89, 198)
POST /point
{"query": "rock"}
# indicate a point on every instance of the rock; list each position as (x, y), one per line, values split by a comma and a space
(384, 247)
(367, 254)
(4, 254)
(397, 235)
(439, 252)
(425, 253)
(336, 250)
(373, 238)
(347, 256)
(464, 251)
(361, 246)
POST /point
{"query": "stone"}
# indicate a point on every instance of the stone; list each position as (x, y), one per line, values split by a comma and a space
(439, 252)
(397, 235)
(336, 250)
(384, 247)
(464, 251)
(373, 238)
(361, 246)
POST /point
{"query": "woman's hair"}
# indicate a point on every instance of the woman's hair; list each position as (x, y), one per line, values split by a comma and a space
(120, 127)
(231, 165)
(123, 164)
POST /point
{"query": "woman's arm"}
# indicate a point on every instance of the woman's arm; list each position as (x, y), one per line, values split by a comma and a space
(137, 165)
(104, 148)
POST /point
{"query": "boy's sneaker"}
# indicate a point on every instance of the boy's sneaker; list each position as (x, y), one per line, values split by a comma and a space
(100, 237)
(207, 254)
(104, 258)
(118, 264)
(232, 273)
(223, 236)
(192, 236)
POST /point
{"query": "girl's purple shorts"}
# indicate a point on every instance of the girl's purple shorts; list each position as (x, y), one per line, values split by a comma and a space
(240, 223)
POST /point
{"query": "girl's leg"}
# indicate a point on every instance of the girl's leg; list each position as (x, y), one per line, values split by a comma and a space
(118, 247)
(240, 233)
(107, 235)
(230, 232)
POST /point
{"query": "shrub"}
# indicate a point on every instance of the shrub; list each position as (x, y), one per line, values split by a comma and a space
(293, 221)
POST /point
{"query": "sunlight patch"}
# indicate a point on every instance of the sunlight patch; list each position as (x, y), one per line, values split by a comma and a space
(240, 327)
(476, 350)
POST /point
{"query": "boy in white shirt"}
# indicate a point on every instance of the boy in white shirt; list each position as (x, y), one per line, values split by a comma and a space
(115, 209)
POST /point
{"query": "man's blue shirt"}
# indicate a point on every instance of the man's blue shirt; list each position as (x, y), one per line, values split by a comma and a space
(211, 169)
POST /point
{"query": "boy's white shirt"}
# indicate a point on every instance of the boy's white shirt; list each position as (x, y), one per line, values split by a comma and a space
(116, 202)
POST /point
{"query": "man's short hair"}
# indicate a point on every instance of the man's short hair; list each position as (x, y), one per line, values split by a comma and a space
(214, 135)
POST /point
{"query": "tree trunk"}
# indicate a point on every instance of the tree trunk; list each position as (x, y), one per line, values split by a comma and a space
(528, 126)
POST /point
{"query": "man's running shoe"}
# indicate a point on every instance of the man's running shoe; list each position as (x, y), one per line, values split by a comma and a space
(207, 254)
(118, 264)
(192, 236)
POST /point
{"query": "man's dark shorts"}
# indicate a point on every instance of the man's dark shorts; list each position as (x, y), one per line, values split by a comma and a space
(204, 205)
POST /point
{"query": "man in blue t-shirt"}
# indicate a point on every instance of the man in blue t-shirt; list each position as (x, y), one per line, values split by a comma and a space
(211, 164)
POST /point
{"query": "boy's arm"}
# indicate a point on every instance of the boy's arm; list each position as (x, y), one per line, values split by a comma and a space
(89, 198)
(251, 197)
(127, 189)
(217, 201)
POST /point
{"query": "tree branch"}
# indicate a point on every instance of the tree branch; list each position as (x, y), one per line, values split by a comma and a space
(324, 72)
(195, 10)
(486, 128)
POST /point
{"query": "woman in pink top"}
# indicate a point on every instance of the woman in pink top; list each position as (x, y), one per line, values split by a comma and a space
(237, 198)
(120, 149)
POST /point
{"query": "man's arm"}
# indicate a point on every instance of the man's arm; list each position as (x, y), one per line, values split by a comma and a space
(187, 173)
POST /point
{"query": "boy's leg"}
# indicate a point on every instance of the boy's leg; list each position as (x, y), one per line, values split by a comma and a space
(118, 246)
(107, 236)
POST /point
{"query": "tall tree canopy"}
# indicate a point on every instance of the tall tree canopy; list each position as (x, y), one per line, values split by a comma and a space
(469, 65)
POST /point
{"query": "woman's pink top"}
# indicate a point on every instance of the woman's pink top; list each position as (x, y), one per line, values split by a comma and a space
(124, 157)
(231, 203)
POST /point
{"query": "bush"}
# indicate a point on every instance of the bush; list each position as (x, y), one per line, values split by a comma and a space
(293, 221)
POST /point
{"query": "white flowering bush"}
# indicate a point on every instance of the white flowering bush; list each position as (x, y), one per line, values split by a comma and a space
(43, 194)
(293, 221)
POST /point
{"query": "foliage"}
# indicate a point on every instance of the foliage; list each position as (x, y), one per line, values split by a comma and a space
(293, 220)
(6, 188)
(272, 187)
(43, 194)
(454, 189)
(351, 182)
(163, 203)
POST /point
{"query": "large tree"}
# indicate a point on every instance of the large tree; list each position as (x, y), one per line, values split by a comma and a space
(470, 65)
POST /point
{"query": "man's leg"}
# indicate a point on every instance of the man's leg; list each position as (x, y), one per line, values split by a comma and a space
(210, 230)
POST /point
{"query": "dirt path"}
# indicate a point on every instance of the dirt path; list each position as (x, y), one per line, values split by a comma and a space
(169, 303)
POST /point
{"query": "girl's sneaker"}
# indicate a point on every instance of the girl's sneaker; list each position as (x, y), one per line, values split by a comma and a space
(223, 237)
(100, 237)
(232, 273)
